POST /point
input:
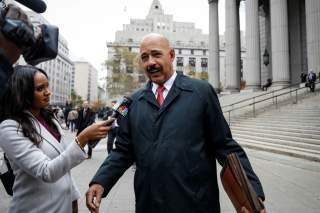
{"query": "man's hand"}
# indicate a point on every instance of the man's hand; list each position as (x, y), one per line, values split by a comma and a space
(245, 210)
(93, 197)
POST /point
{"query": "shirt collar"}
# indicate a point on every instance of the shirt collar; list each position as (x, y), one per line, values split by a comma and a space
(168, 84)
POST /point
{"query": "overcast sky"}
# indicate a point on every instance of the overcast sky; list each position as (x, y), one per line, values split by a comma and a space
(88, 24)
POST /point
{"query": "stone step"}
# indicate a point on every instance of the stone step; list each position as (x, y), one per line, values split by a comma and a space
(276, 128)
(313, 122)
(312, 148)
(292, 116)
(289, 115)
(280, 149)
(290, 129)
(252, 130)
(276, 123)
(275, 116)
(300, 107)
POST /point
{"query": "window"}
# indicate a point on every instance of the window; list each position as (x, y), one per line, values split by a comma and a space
(192, 62)
(129, 68)
(192, 52)
(180, 51)
(179, 61)
(204, 52)
(204, 64)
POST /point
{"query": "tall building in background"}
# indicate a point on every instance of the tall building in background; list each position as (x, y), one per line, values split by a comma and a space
(85, 80)
(190, 44)
(59, 70)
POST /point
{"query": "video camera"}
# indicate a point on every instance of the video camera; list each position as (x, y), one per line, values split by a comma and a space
(38, 43)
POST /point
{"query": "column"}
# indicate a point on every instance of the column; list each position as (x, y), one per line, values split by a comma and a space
(313, 34)
(251, 72)
(214, 70)
(232, 46)
(279, 43)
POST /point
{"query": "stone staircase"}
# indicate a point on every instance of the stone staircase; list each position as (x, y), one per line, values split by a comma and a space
(293, 129)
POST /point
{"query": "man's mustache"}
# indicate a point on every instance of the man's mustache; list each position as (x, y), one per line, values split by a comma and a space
(153, 69)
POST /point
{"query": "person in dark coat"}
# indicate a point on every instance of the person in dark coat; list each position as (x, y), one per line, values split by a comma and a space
(85, 118)
(312, 77)
(174, 135)
(67, 109)
(113, 131)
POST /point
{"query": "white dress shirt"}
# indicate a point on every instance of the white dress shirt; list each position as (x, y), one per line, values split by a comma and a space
(167, 85)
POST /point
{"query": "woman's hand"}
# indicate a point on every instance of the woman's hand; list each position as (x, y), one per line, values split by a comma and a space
(95, 131)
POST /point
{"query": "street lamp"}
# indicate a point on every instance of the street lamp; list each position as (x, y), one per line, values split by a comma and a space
(266, 57)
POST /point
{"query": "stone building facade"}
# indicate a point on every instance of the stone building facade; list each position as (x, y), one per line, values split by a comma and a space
(86, 80)
(190, 44)
(282, 41)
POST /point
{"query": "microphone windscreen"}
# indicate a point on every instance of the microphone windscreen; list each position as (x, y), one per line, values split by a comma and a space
(35, 5)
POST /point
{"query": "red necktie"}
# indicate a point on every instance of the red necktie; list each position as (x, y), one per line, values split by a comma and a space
(160, 97)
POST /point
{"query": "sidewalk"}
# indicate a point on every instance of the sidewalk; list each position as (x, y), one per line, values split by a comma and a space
(291, 185)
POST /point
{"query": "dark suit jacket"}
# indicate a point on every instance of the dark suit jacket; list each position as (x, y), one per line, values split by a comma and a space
(83, 122)
(175, 149)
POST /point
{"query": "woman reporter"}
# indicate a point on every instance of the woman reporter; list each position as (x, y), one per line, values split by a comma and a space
(35, 145)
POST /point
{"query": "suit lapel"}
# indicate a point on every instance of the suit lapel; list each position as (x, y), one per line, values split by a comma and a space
(46, 135)
(149, 96)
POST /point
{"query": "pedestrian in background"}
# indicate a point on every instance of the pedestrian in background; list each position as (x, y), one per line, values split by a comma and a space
(86, 117)
(311, 80)
(35, 145)
(112, 134)
(174, 132)
(67, 109)
(72, 119)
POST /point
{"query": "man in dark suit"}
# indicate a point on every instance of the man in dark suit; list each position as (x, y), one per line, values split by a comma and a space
(85, 118)
(174, 132)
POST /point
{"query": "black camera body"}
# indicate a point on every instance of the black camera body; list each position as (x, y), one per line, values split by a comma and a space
(38, 43)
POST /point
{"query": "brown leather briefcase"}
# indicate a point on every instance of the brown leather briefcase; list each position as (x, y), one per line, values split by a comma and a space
(238, 187)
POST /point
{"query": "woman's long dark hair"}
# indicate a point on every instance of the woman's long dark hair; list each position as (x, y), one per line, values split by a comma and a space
(18, 98)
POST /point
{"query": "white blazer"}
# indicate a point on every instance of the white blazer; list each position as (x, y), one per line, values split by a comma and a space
(43, 181)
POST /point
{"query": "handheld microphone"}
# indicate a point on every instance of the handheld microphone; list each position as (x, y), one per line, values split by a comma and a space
(35, 5)
(121, 108)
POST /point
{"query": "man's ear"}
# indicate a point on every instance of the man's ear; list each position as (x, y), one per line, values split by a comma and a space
(172, 54)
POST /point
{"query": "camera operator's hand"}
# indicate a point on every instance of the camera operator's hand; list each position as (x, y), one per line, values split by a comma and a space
(11, 50)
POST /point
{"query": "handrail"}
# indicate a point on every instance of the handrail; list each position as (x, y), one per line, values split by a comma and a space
(268, 93)
(254, 102)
